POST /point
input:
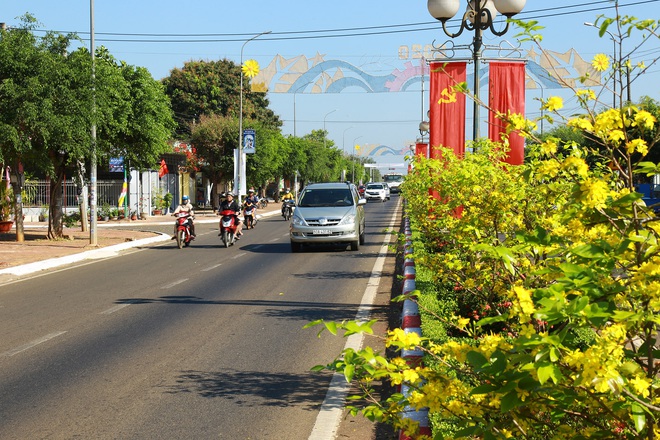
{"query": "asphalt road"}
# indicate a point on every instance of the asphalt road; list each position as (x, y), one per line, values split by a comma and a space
(198, 343)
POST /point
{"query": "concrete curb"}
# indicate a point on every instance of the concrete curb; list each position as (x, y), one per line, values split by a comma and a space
(104, 252)
(411, 322)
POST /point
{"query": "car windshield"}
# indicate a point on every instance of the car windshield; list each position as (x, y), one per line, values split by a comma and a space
(326, 197)
(374, 186)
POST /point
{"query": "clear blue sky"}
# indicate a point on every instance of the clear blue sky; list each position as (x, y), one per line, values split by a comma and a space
(372, 36)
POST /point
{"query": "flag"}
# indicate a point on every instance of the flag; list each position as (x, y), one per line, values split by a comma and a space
(163, 168)
(447, 108)
(507, 95)
(122, 196)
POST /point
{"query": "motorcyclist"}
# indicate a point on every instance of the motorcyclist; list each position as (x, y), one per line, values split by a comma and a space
(185, 206)
(251, 202)
(229, 204)
(286, 196)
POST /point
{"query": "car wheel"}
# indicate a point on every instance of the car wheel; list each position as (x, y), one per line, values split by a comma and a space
(296, 247)
(362, 238)
(355, 245)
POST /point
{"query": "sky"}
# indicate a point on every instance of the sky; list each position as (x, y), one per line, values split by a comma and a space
(367, 41)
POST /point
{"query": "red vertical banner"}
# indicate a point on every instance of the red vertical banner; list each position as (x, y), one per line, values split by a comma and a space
(506, 94)
(422, 149)
(447, 108)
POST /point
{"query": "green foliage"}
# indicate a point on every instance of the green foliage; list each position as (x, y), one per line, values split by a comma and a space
(546, 277)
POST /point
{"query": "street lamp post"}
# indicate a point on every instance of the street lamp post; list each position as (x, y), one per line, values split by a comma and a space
(324, 132)
(586, 23)
(353, 172)
(239, 167)
(478, 17)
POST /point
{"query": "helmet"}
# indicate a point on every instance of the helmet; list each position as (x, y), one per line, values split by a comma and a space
(251, 190)
(288, 190)
(185, 198)
(230, 194)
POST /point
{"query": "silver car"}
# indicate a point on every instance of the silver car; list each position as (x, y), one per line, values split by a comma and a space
(328, 213)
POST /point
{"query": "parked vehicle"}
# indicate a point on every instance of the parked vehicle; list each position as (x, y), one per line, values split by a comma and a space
(328, 213)
(183, 235)
(361, 190)
(228, 227)
(376, 191)
(288, 207)
(249, 216)
(263, 202)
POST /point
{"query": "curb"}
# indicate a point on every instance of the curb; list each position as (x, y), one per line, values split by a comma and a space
(104, 252)
(411, 322)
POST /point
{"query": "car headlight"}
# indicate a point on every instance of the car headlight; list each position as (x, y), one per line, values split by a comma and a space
(348, 220)
(297, 220)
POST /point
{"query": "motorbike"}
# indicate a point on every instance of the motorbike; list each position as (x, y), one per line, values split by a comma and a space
(263, 202)
(228, 227)
(183, 235)
(288, 207)
(249, 216)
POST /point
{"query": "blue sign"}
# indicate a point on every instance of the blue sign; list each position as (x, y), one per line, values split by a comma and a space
(249, 141)
(116, 164)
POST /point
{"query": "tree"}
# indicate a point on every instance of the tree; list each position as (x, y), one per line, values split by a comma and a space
(46, 108)
(213, 87)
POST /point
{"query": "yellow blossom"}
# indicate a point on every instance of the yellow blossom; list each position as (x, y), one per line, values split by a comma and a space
(554, 103)
(600, 62)
(594, 193)
(576, 165)
(523, 303)
(581, 123)
(616, 135)
(645, 119)
(250, 68)
(641, 385)
(587, 94)
(638, 145)
(549, 147)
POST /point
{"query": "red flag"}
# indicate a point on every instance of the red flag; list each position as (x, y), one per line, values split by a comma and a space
(447, 108)
(422, 149)
(163, 168)
(507, 94)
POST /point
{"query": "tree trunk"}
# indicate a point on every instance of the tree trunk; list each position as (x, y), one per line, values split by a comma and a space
(55, 228)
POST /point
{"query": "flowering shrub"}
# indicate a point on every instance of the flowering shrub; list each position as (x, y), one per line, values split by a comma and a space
(554, 268)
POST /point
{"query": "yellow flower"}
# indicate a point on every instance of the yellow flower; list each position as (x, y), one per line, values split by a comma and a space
(616, 135)
(646, 119)
(554, 103)
(638, 145)
(594, 193)
(641, 386)
(549, 147)
(581, 123)
(577, 165)
(588, 94)
(250, 68)
(600, 62)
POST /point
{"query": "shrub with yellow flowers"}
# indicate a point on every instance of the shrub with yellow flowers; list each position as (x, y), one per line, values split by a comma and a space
(550, 275)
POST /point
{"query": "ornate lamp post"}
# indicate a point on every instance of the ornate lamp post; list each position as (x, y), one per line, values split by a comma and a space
(324, 132)
(239, 167)
(479, 16)
(353, 172)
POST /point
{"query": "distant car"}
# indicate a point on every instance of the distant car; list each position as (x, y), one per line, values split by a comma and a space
(376, 191)
(328, 213)
(387, 190)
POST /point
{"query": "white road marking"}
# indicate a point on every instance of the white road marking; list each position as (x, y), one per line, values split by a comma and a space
(168, 286)
(329, 418)
(29, 345)
(239, 256)
(114, 309)
(274, 240)
(212, 267)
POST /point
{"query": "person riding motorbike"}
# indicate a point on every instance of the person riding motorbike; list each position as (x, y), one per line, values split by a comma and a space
(229, 204)
(288, 195)
(251, 202)
(185, 206)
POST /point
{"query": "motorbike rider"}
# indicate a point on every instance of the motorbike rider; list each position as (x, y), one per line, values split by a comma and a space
(185, 206)
(251, 202)
(229, 204)
(284, 197)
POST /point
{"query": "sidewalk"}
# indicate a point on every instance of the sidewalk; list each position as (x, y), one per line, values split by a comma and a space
(38, 253)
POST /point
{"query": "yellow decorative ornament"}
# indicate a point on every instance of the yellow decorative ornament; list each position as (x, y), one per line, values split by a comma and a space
(250, 68)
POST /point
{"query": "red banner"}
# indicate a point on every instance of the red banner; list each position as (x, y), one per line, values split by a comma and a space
(506, 94)
(447, 108)
(163, 168)
(422, 149)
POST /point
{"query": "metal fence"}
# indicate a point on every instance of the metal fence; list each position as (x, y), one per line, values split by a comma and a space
(37, 193)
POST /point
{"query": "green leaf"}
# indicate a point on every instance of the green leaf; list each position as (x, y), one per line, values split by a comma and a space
(548, 371)
(510, 401)
(331, 326)
(477, 360)
(588, 251)
(639, 416)
(349, 372)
